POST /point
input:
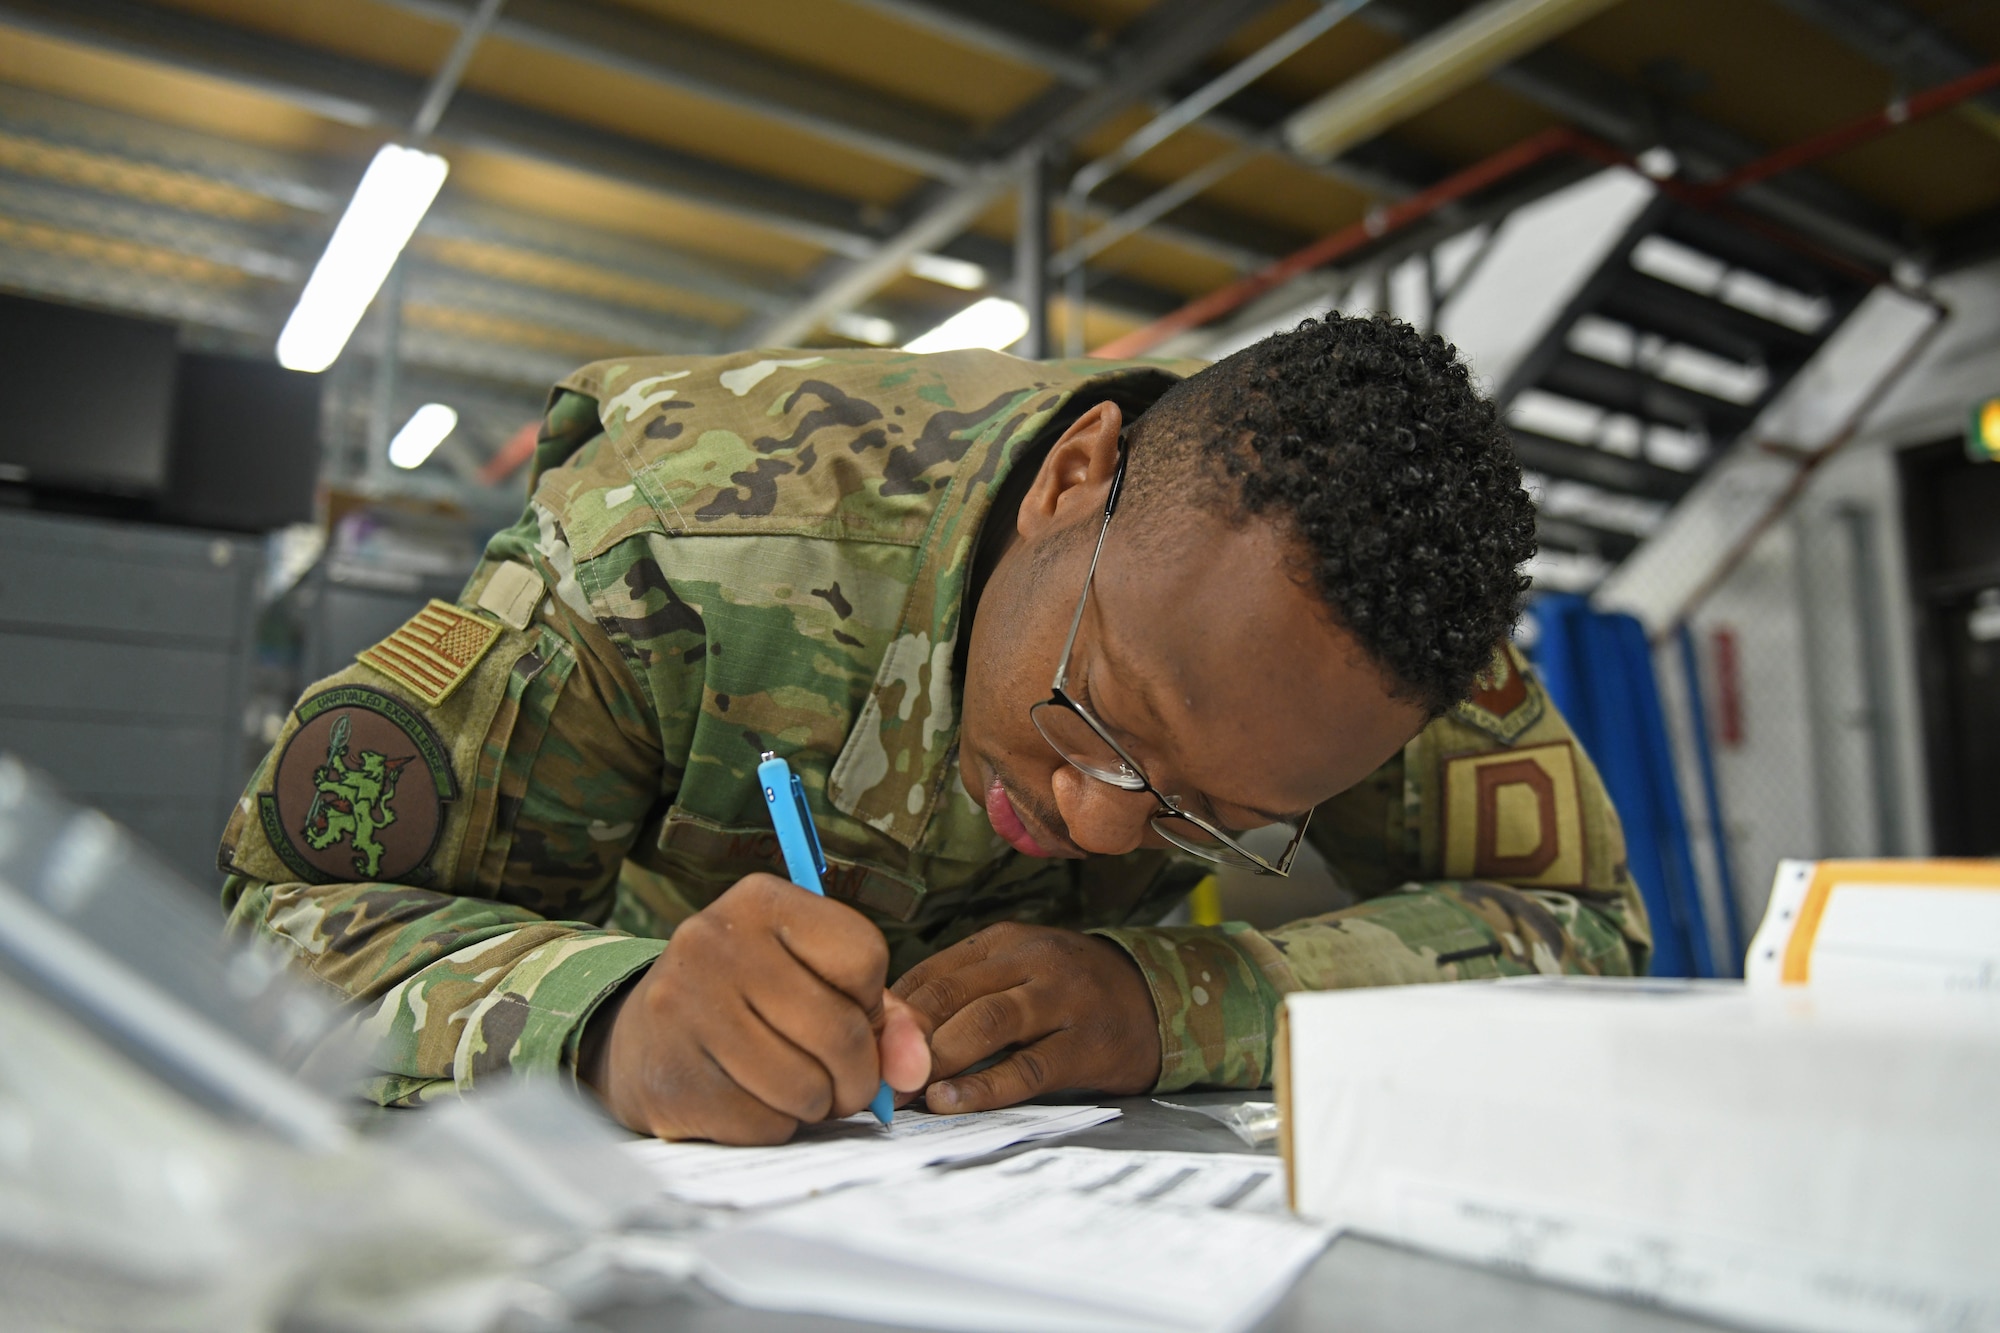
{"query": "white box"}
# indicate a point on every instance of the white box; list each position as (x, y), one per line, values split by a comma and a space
(1788, 1159)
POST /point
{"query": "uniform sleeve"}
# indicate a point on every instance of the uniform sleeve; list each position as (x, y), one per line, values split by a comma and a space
(438, 832)
(1488, 848)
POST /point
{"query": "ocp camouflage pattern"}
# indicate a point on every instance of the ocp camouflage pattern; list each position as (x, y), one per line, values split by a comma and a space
(770, 550)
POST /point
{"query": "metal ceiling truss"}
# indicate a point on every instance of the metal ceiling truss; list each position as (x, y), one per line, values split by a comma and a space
(629, 328)
(162, 296)
(915, 137)
(1635, 120)
(1066, 48)
(284, 252)
(464, 220)
(1162, 43)
(365, 95)
(272, 260)
(241, 247)
(317, 190)
(1899, 39)
(1071, 50)
(1580, 93)
(1918, 52)
(368, 96)
(1096, 77)
(274, 177)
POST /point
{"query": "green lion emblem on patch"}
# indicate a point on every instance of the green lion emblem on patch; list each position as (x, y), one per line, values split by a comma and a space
(353, 802)
(361, 790)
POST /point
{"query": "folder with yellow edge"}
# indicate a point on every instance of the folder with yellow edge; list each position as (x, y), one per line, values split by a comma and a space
(1929, 925)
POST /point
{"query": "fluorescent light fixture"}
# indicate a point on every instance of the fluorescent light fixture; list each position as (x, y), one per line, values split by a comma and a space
(422, 433)
(959, 273)
(1660, 162)
(391, 200)
(1429, 70)
(870, 329)
(994, 322)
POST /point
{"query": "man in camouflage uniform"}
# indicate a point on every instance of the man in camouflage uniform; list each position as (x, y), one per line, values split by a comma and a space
(785, 551)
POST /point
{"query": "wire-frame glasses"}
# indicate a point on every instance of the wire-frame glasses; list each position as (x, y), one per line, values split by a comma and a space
(1086, 745)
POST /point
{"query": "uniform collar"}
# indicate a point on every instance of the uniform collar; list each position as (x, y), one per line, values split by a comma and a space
(896, 769)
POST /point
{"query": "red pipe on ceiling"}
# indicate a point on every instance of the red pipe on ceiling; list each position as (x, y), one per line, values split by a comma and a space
(1510, 161)
(1904, 111)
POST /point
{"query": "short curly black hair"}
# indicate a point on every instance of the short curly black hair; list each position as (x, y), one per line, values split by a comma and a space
(1370, 440)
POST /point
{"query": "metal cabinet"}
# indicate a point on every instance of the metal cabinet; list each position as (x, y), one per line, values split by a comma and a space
(125, 652)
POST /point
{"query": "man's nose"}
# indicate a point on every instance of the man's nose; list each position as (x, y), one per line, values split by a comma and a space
(1102, 818)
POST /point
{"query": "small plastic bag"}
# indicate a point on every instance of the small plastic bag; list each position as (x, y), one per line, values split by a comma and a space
(1256, 1123)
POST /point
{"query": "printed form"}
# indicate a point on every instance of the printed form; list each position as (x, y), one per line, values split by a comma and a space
(1054, 1240)
(847, 1152)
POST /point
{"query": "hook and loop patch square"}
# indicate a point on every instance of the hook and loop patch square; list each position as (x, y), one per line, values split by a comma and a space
(434, 651)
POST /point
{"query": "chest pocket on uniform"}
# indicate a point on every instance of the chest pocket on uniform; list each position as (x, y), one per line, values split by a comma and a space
(704, 858)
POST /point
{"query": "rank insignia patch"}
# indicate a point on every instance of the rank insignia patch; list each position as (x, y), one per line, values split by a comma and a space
(1501, 705)
(361, 790)
(434, 651)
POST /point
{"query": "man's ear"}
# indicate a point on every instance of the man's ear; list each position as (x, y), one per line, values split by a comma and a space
(1075, 474)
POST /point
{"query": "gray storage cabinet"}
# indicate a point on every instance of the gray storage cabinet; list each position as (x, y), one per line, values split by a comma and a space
(124, 661)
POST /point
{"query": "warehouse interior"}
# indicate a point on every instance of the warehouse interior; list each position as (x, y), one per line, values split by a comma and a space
(1729, 271)
(1728, 268)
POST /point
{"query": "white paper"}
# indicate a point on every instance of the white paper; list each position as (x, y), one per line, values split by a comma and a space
(1056, 1239)
(847, 1152)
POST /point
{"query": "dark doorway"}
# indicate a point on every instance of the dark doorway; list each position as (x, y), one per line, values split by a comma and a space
(1951, 513)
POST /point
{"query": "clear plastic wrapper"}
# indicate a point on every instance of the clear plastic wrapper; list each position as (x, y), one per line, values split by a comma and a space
(1256, 1123)
(162, 1166)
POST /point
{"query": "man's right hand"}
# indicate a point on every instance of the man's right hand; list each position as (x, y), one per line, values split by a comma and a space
(766, 1010)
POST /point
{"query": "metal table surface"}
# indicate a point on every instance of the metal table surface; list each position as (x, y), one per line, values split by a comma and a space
(1355, 1285)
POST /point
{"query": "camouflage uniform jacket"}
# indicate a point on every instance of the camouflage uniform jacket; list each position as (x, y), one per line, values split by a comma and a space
(495, 817)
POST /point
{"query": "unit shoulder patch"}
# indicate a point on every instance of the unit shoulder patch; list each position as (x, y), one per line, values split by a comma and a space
(1502, 704)
(1517, 816)
(434, 651)
(361, 790)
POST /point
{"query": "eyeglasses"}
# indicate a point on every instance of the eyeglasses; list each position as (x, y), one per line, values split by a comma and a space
(1084, 743)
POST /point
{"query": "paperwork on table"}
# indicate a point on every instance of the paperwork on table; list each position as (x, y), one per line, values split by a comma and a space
(846, 1152)
(1054, 1239)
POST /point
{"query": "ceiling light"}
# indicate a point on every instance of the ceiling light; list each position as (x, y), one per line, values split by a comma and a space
(993, 323)
(422, 433)
(1659, 162)
(1426, 72)
(959, 273)
(391, 200)
(870, 329)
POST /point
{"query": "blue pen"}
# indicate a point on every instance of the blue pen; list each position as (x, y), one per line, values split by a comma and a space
(804, 861)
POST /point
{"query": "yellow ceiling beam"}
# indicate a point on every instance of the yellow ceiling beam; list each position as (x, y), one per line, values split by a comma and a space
(1425, 73)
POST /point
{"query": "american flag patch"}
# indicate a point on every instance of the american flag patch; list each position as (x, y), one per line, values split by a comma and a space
(434, 651)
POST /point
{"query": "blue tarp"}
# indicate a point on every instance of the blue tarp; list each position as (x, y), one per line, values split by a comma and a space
(1598, 668)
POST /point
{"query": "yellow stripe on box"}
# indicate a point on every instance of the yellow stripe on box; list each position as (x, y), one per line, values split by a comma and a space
(434, 651)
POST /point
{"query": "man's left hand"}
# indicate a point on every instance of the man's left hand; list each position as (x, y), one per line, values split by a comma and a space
(1075, 1007)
